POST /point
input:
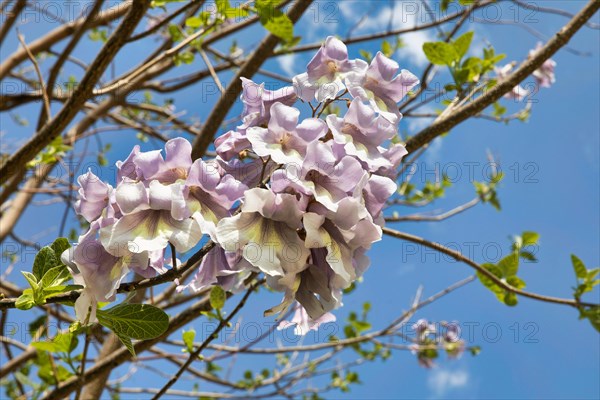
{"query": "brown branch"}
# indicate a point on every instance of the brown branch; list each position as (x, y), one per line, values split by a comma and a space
(64, 55)
(54, 128)
(501, 283)
(11, 18)
(194, 355)
(38, 72)
(436, 218)
(251, 66)
(560, 39)
(44, 43)
(165, 21)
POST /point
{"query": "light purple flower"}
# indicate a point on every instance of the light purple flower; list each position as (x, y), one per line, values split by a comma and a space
(518, 92)
(544, 75)
(321, 176)
(376, 192)
(265, 232)
(258, 101)
(394, 154)
(302, 322)
(231, 144)
(151, 164)
(227, 270)
(325, 72)
(248, 172)
(361, 132)
(380, 86)
(285, 140)
(208, 196)
(98, 271)
(127, 168)
(93, 198)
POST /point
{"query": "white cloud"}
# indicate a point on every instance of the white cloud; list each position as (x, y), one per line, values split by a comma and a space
(288, 64)
(349, 10)
(441, 381)
(413, 49)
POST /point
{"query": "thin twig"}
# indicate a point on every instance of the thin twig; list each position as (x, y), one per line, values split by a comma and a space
(39, 74)
(459, 257)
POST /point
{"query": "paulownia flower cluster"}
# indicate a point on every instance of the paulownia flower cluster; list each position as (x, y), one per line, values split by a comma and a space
(296, 198)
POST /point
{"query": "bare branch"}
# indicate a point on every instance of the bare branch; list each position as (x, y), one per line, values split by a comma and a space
(459, 257)
(460, 114)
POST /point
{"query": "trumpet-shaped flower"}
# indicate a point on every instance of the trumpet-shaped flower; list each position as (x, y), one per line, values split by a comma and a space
(361, 132)
(265, 232)
(93, 198)
(285, 140)
(325, 72)
(258, 101)
(380, 86)
(303, 323)
(320, 176)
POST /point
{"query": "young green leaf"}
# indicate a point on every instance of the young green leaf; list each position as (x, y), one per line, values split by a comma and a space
(462, 44)
(59, 246)
(25, 300)
(579, 267)
(274, 20)
(188, 338)
(44, 260)
(194, 22)
(509, 265)
(440, 53)
(217, 297)
(55, 276)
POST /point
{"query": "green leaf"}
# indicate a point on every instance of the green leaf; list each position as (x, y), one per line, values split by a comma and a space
(55, 276)
(174, 33)
(515, 282)
(32, 279)
(489, 283)
(187, 57)
(59, 246)
(366, 55)
(509, 265)
(440, 53)
(510, 299)
(579, 267)
(527, 255)
(44, 260)
(217, 297)
(62, 343)
(194, 22)
(126, 340)
(593, 315)
(275, 21)
(462, 44)
(137, 321)
(591, 274)
(386, 48)
(188, 338)
(25, 301)
(530, 238)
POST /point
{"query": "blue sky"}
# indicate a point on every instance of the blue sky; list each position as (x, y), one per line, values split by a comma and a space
(552, 165)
